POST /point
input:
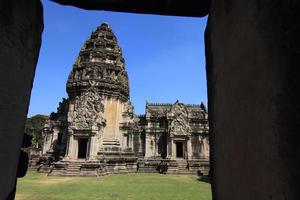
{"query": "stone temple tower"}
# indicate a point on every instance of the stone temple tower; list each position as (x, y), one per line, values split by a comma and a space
(98, 92)
(98, 120)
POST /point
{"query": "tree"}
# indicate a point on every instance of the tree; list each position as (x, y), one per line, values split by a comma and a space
(34, 127)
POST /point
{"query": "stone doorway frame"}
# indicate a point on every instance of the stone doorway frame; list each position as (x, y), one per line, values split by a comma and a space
(185, 148)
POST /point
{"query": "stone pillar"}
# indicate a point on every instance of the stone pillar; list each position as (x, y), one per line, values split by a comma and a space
(173, 149)
(169, 147)
(47, 142)
(70, 154)
(54, 138)
(125, 141)
(92, 148)
(140, 146)
(206, 147)
(155, 145)
(131, 141)
(202, 150)
(55, 134)
(189, 148)
(149, 148)
(75, 149)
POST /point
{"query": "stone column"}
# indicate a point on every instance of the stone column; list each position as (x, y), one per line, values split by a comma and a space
(140, 146)
(70, 153)
(125, 142)
(47, 142)
(54, 138)
(130, 141)
(189, 148)
(173, 145)
(147, 146)
(206, 147)
(55, 134)
(155, 145)
(201, 148)
(149, 149)
(92, 148)
(169, 151)
(74, 149)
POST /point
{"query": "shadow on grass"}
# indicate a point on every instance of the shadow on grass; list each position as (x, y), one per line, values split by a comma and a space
(204, 179)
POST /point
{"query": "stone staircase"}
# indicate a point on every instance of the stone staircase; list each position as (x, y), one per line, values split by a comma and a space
(33, 163)
(182, 167)
(73, 169)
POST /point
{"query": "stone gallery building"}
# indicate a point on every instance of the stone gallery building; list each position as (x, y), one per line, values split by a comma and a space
(175, 131)
(95, 130)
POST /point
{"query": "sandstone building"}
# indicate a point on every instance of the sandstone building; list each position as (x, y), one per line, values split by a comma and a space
(175, 131)
(95, 130)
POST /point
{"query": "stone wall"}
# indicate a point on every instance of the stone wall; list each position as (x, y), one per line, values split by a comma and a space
(21, 25)
(113, 109)
(252, 52)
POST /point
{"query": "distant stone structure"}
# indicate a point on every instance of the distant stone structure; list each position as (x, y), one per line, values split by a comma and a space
(178, 133)
(95, 130)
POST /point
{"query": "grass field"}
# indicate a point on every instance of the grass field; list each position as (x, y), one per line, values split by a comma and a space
(115, 187)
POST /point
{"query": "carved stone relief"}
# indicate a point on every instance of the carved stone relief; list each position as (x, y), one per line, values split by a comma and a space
(178, 116)
(88, 111)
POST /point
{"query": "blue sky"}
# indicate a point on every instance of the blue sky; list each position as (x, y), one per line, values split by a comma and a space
(164, 55)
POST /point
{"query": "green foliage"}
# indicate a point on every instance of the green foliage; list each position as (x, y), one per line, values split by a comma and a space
(34, 127)
(37, 186)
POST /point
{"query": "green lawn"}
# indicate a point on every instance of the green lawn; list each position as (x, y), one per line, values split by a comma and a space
(37, 186)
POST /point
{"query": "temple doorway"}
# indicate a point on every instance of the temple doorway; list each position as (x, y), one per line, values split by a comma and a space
(82, 147)
(179, 149)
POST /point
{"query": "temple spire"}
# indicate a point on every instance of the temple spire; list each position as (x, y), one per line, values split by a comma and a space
(100, 65)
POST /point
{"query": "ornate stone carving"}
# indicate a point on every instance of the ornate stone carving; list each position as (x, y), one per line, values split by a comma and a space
(88, 111)
(129, 110)
(130, 123)
(178, 116)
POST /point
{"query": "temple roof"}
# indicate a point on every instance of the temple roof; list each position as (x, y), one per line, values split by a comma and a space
(162, 109)
(100, 65)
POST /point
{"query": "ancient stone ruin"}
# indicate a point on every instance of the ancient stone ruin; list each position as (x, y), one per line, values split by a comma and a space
(95, 130)
(251, 52)
(177, 132)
